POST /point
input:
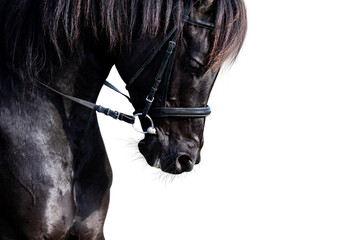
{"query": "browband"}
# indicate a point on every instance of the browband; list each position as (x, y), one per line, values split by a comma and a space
(199, 23)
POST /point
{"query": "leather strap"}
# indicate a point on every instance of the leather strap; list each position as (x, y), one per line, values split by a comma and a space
(150, 97)
(199, 23)
(191, 112)
(168, 72)
(115, 114)
(107, 111)
(109, 85)
(151, 57)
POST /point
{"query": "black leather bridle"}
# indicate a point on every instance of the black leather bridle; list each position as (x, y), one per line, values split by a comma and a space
(163, 75)
(164, 72)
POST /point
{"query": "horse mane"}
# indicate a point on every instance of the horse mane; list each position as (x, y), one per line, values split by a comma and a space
(35, 33)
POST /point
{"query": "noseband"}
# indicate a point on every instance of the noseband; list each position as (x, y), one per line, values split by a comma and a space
(164, 72)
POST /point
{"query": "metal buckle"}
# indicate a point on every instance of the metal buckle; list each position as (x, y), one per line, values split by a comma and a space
(150, 130)
(149, 100)
(172, 43)
(171, 47)
(117, 115)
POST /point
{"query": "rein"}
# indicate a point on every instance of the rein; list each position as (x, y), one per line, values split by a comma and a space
(107, 111)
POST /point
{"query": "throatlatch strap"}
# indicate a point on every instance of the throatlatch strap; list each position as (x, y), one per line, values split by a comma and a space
(109, 85)
(152, 56)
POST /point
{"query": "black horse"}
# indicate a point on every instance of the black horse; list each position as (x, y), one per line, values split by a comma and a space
(54, 172)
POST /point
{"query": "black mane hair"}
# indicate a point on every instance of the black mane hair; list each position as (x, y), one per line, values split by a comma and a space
(32, 32)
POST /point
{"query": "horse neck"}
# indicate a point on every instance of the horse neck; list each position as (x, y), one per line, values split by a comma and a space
(81, 78)
(85, 79)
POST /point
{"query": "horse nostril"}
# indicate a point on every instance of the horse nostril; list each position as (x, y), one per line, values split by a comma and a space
(183, 163)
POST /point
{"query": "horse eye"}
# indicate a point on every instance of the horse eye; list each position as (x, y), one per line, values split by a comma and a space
(194, 66)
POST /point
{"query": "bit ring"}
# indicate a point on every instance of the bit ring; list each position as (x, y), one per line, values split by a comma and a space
(150, 130)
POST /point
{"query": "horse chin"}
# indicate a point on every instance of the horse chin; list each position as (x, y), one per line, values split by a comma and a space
(149, 147)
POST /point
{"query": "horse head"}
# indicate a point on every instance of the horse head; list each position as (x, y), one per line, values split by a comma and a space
(173, 72)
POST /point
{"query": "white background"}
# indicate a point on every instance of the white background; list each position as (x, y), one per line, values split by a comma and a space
(282, 147)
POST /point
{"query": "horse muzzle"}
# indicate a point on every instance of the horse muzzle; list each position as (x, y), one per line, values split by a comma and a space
(172, 153)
